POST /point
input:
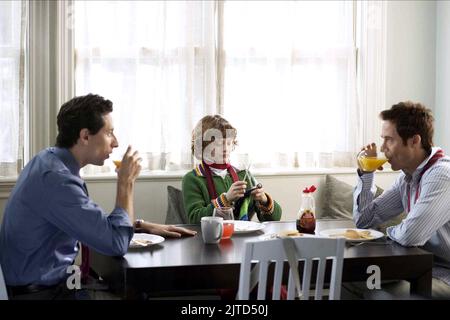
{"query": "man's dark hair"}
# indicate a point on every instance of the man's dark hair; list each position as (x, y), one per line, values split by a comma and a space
(79, 113)
(410, 119)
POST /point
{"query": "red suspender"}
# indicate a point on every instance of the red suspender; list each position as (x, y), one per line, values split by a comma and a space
(439, 154)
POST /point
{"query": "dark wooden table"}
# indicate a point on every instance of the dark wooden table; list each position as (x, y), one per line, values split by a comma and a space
(187, 263)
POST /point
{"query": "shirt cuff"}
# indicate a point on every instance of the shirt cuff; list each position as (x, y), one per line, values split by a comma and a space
(367, 181)
(390, 231)
(268, 208)
(221, 201)
(120, 218)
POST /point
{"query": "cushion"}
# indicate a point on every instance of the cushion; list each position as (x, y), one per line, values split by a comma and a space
(175, 207)
(338, 202)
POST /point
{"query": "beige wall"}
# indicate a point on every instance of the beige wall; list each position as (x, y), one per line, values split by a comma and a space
(151, 193)
(411, 52)
(442, 108)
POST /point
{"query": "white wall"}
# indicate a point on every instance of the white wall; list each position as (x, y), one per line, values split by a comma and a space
(151, 193)
(410, 60)
(442, 108)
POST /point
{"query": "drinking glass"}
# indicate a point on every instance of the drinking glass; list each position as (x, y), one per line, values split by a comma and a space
(117, 163)
(116, 157)
(369, 162)
(228, 224)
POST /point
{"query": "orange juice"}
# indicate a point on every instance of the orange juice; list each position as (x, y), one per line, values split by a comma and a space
(371, 163)
(228, 229)
(117, 163)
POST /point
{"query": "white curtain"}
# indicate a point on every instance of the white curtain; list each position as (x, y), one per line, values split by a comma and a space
(372, 68)
(283, 72)
(12, 83)
(156, 61)
(290, 81)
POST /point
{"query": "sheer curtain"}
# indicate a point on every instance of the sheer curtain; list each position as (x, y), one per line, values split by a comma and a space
(12, 84)
(290, 81)
(371, 37)
(156, 61)
(283, 72)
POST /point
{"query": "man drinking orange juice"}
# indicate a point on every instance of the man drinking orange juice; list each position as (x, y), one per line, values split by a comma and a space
(49, 211)
(422, 188)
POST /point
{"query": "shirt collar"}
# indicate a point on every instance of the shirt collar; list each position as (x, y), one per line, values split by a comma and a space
(219, 172)
(419, 169)
(67, 158)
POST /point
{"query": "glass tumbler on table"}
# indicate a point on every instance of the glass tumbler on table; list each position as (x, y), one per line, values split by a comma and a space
(228, 220)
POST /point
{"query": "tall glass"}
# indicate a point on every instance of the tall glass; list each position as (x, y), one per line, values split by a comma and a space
(117, 155)
(228, 224)
(370, 162)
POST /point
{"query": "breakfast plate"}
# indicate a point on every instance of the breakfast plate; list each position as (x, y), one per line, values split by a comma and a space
(352, 234)
(141, 240)
(285, 233)
(241, 227)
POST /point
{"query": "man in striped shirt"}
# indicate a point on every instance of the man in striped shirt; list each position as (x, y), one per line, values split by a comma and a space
(422, 189)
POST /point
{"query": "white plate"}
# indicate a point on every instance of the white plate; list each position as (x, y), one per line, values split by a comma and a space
(330, 232)
(271, 236)
(247, 226)
(142, 238)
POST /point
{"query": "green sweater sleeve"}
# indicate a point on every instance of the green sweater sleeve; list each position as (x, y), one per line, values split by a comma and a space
(197, 202)
(275, 216)
(196, 198)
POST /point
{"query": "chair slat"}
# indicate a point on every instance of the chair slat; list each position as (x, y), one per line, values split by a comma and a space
(319, 279)
(306, 283)
(262, 280)
(278, 277)
(308, 250)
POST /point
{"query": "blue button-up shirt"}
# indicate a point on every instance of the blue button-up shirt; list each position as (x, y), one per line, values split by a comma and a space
(47, 213)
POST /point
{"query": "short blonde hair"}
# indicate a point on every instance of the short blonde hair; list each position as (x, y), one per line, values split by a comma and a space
(207, 123)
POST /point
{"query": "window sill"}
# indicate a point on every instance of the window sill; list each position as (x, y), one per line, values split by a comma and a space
(147, 175)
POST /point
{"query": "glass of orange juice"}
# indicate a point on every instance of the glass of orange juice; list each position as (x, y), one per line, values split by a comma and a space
(370, 163)
(117, 163)
(228, 220)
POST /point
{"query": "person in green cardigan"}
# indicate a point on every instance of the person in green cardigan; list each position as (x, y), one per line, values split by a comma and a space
(216, 183)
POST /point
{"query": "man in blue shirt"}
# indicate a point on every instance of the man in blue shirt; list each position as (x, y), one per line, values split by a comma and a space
(49, 210)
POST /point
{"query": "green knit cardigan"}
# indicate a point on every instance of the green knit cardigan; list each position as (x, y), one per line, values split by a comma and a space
(198, 204)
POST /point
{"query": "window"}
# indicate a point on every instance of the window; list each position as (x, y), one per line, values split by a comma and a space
(296, 78)
(284, 73)
(12, 84)
(155, 60)
(289, 81)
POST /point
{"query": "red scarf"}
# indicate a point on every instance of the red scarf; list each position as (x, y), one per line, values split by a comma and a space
(209, 180)
(439, 154)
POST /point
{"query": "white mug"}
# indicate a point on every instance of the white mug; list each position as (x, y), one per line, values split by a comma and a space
(212, 229)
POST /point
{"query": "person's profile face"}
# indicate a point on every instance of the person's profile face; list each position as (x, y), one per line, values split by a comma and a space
(103, 142)
(397, 153)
